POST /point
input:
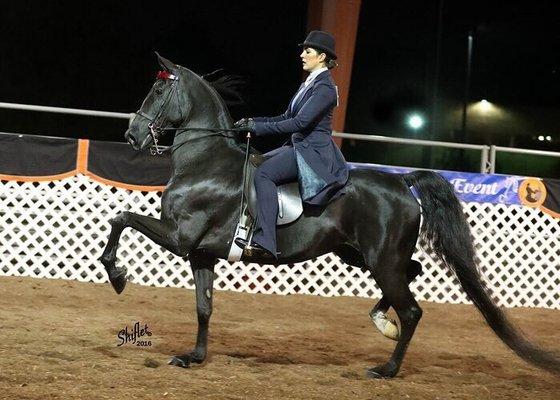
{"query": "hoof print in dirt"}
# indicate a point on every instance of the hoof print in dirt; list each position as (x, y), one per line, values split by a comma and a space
(351, 375)
(151, 363)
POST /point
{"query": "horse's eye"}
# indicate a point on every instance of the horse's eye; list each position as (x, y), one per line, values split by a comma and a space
(159, 91)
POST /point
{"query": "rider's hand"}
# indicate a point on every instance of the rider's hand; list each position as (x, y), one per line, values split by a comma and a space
(244, 125)
(241, 122)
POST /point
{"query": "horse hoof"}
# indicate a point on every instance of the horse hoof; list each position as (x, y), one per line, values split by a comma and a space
(382, 372)
(370, 373)
(118, 280)
(178, 362)
(391, 330)
(387, 326)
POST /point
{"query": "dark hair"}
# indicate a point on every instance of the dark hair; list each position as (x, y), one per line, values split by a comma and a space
(330, 63)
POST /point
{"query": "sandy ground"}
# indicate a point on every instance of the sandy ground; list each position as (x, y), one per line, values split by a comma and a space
(58, 339)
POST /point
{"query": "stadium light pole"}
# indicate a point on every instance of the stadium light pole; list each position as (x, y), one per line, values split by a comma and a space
(467, 86)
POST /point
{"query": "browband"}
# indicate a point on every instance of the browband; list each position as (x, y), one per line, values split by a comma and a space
(167, 75)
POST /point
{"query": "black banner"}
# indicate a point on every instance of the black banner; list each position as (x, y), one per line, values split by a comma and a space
(26, 155)
(119, 162)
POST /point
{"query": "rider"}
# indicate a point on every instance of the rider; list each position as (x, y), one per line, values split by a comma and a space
(310, 156)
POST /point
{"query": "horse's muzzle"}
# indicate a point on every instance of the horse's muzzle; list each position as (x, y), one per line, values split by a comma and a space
(130, 139)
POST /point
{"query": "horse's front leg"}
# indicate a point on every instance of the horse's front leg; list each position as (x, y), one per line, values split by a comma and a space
(203, 271)
(161, 232)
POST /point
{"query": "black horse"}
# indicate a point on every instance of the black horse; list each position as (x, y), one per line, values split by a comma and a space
(373, 227)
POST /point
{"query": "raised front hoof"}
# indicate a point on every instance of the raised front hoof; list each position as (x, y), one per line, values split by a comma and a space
(117, 277)
(384, 371)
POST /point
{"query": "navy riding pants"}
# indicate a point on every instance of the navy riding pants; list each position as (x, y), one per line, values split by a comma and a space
(277, 170)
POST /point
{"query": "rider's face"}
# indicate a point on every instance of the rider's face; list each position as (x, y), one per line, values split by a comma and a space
(311, 59)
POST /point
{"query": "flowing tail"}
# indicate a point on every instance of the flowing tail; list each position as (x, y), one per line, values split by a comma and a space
(448, 234)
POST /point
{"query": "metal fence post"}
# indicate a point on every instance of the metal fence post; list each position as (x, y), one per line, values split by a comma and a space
(484, 160)
(492, 159)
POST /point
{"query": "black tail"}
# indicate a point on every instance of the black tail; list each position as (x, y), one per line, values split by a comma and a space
(447, 232)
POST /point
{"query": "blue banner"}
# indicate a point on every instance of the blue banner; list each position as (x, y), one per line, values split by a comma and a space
(470, 187)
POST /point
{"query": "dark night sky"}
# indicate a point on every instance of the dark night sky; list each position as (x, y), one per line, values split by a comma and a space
(515, 64)
(100, 56)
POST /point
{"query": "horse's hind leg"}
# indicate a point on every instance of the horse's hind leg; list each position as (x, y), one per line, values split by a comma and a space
(393, 282)
(203, 270)
(414, 269)
(378, 313)
(155, 229)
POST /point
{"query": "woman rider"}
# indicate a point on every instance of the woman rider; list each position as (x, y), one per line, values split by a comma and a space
(310, 156)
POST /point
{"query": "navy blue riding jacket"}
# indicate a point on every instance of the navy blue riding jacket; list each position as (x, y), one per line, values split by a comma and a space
(322, 170)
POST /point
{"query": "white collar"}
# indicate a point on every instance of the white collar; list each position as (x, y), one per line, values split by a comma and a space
(313, 75)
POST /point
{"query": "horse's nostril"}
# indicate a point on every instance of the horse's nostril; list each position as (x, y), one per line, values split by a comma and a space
(130, 139)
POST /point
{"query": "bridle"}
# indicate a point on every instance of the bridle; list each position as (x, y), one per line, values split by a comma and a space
(156, 123)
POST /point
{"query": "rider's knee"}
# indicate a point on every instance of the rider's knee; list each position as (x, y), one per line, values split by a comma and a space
(261, 177)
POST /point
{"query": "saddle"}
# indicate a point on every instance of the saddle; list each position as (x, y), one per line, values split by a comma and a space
(290, 206)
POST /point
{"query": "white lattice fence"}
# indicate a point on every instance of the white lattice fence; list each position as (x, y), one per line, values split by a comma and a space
(58, 229)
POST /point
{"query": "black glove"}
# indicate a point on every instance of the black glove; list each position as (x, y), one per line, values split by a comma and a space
(244, 125)
(242, 121)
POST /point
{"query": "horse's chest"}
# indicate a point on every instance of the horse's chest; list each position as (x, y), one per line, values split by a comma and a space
(176, 202)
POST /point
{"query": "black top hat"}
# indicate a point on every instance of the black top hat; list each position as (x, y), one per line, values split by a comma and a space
(320, 40)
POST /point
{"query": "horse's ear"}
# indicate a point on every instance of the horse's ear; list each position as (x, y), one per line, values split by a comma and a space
(165, 63)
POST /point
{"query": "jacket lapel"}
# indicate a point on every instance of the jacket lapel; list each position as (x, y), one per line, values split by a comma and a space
(300, 101)
(292, 101)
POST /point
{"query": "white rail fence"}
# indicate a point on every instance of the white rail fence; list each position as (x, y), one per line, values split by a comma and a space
(487, 153)
(64, 110)
(484, 150)
(58, 230)
(494, 150)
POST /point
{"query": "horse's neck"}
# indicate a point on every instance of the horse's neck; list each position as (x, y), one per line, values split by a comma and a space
(209, 114)
(205, 148)
(196, 146)
(204, 152)
(208, 110)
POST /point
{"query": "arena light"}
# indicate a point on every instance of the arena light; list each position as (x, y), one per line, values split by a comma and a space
(541, 138)
(415, 121)
(549, 138)
(484, 107)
